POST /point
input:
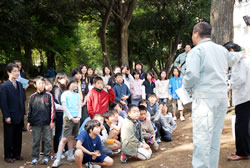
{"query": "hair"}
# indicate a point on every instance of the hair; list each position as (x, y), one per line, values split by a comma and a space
(109, 113)
(148, 73)
(97, 78)
(84, 75)
(232, 45)
(143, 101)
(39, 78)
(163, 103)
(139, 64)
(16, 61)
(152, 95)
(91, 69)
(161, 73)
(91, 79)
(188, 45)
(203, 28)
(75, 71)
(70, 82)
(131, 106)
(142, 108)
(59, 76)
(179, 73)
(125, 66)
(97, 115)
(116, 67)
(118, 74)
(90, 125)
(112, 105)
(135, 73)
(10, 67)
(47, 82)
(103, 70)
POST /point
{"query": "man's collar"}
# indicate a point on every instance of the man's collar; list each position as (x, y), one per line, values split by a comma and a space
(204, 40)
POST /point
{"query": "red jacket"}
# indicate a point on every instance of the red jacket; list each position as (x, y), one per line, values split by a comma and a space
(98, 101)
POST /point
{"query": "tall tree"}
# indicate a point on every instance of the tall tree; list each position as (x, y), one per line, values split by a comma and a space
(221, 19)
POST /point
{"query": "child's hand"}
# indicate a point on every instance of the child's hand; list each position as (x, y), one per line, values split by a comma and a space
(28, 127)
(123, 103)
(145, 146)
(52, 125)
(108, 87)
(124, 98)
(75, 120)
(170, 97)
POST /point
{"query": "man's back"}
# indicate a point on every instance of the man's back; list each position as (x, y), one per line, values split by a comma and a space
(207, 66)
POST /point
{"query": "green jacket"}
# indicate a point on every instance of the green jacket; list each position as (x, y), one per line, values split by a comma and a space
(131, 136)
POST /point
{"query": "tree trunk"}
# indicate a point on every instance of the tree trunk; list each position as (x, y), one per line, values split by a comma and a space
(221, 19)
(105, 20)
(28, 58)
(124, 44)
(41, 71)
(51, 59)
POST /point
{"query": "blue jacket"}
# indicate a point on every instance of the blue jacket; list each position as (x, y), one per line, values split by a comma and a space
(121, 90)
(174, 84)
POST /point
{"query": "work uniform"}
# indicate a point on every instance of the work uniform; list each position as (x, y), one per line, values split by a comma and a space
(205, 75)
(180, 62)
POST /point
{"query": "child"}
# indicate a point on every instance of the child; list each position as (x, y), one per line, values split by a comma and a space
(89, 147)
(148, 132)
(72, 114)
(144, 103)
(106, 75)
(175, 83)
(82, 90)
(152, 105)
(132, 140)
(111, 81)
(99, 99)
(110, 119)
(168, 125)
(118, 108)
(122, 92)
(41, 114)
(127, 77)
(136, 88)
(161, 87)
(148, 85)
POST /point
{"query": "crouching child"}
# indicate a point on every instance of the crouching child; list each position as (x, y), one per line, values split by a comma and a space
(148, 132)
(132, 142)
(89, 146)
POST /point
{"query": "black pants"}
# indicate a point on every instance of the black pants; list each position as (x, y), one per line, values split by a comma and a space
(85, 114)
(12, 140)
(58, 129)
(242, 129)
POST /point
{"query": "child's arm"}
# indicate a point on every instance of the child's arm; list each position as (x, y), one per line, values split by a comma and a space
(157, 115)
(90, 105)
(84, 150)
(111, 94)
(79, 109)
(52, 104)
(143, 92)
(29, 118)
(170, 90)
(172, 124)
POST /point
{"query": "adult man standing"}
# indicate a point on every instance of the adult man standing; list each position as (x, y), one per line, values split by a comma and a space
(207, 65)
(12, 103)
(180, 61)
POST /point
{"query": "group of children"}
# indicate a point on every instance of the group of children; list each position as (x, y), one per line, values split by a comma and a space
(123, 113)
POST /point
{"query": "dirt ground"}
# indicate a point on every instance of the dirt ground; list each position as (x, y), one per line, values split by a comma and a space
(175, 154)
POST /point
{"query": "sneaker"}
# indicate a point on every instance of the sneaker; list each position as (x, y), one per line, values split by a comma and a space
(174, 118)
(182, 118)
(158, 140)
(90, 165)
(123, 158)
(56, 163)
(45, 161)
(34, 162)
(71, 158)
(116, 151)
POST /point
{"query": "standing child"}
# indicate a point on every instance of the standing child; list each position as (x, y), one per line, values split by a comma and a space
(136, 89)
(111, 81)
(161, 87)
(99, 99)
(41, 114)
(132, 140)
(127, 77)
(148, 132)
(148, 85)
(89, 147)
(122, 92)
(72, 114)
(152, 105)
(175, 83)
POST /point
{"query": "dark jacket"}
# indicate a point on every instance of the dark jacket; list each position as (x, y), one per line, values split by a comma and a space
(57, 93)
(12, 102)
(41, 109)
(149, 87)
(120, 91)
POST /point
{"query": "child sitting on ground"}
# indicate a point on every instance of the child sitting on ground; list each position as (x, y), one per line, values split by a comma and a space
(89, 147)
(113, 131)
(168, 125)
(144, 103)
(132, 140)
(152, 105)
(148, 132)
